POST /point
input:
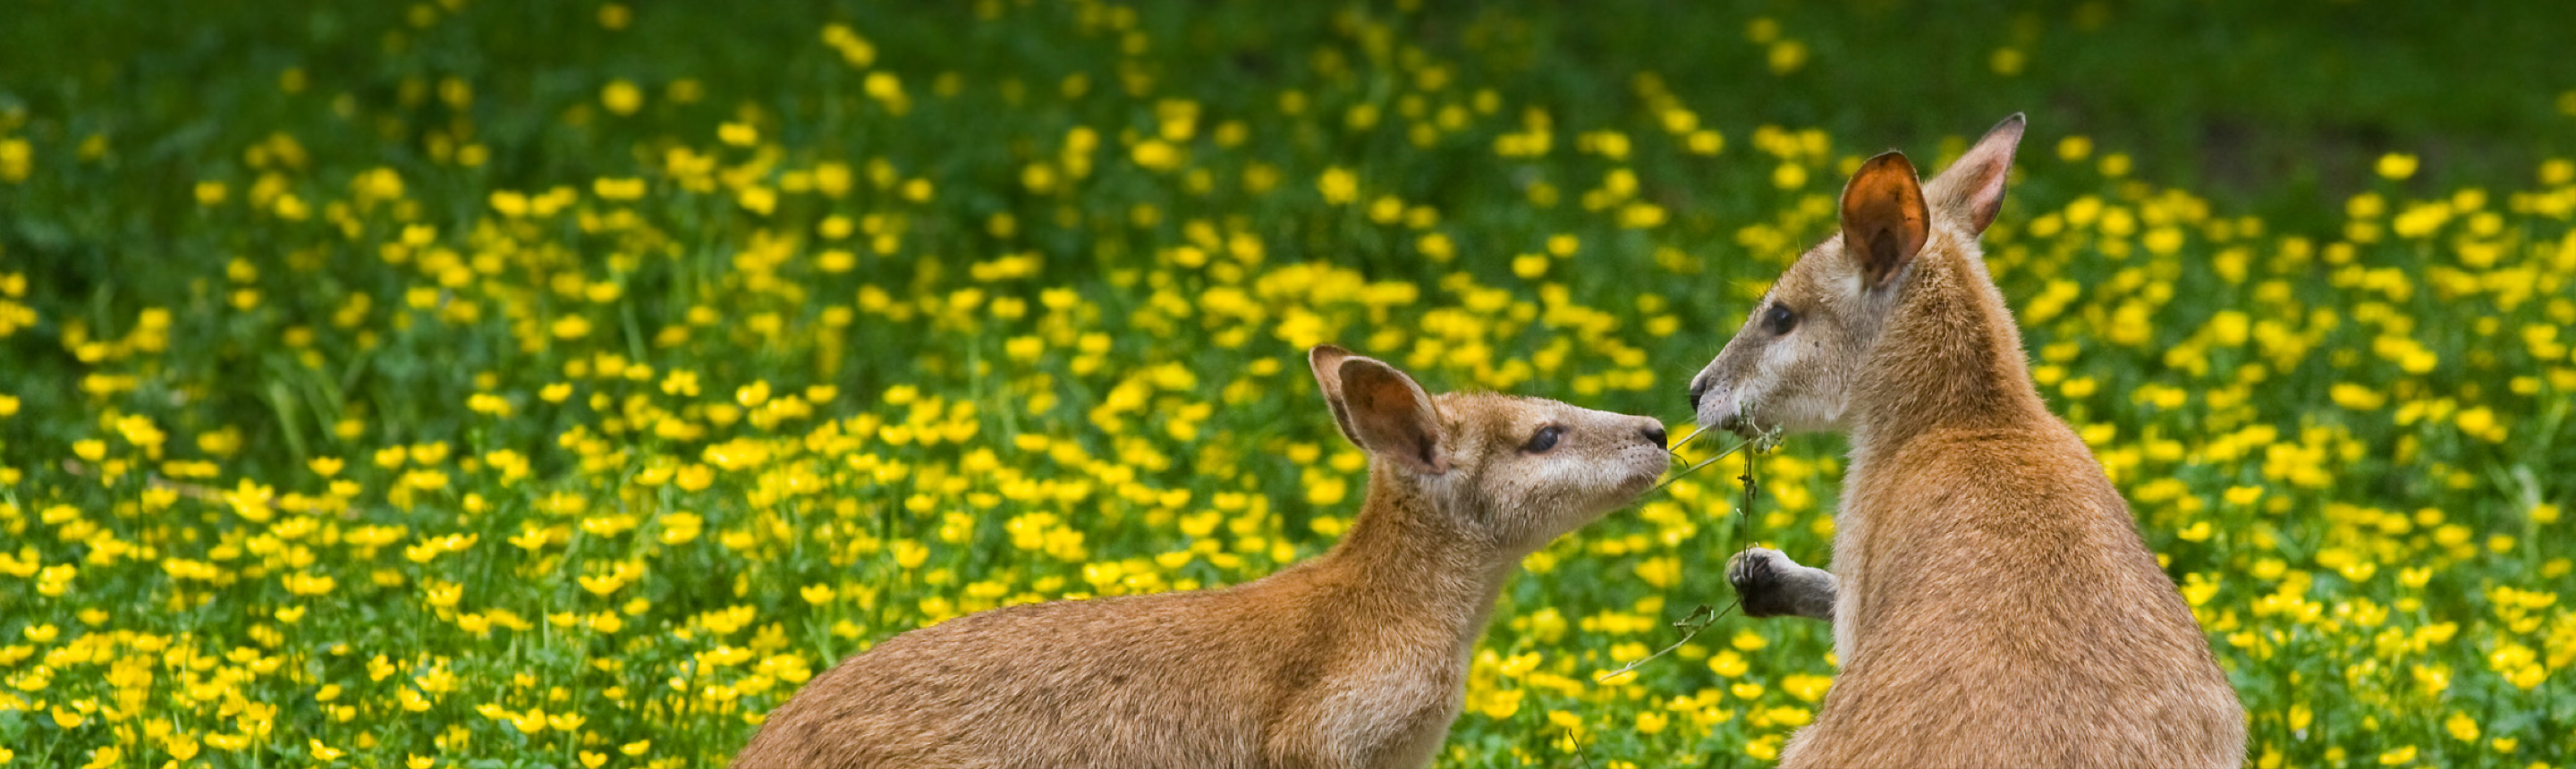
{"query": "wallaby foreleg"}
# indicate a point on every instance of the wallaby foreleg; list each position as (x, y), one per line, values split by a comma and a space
(1771, 585)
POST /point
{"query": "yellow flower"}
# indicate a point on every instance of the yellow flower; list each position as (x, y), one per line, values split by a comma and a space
(487, 403)
(621, 97)
(181, 747)
(1787, 56)
(307, 584)
(1339, 186)
(601, 584)
(817, 594)
(1660, 572)
(1806, 687)
(1156, 154)
(2074, 148)
(1327, 491)
(531, 723)
(909, 554)
(1652, 722)
(1764, 748)
(1529, 266)
(445, 596)
(2396, 167)
(696, 477)
(1727, 664)
(2461, 727)
(1789, 176)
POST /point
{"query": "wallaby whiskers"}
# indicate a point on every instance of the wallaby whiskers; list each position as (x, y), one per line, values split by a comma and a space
(1694, 467)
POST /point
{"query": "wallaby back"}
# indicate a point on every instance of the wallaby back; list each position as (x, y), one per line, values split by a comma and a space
(1357, 658)
(1996, 604)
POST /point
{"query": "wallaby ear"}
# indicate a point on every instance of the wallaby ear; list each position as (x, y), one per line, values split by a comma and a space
(1973, 188)
(1884, 222)
(1326, 360)
(1391, 416)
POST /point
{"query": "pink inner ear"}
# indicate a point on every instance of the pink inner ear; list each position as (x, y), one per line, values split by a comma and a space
(1985, 193)
(1974, 186)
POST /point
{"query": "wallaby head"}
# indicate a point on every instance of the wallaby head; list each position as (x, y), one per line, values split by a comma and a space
(1512, 471)
(1793, 366)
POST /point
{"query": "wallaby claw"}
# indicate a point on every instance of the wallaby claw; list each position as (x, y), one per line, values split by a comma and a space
(1772, 585)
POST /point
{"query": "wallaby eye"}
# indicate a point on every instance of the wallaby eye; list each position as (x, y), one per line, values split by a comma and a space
(1779, 319)
(1544, 439)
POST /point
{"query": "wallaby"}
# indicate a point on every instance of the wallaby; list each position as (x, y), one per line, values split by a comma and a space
(1995, 606)
(1357, 658)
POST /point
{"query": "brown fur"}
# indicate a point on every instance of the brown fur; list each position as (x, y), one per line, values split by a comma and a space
(1994, 605)
(1357, 658)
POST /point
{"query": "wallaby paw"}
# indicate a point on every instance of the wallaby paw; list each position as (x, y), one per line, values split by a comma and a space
(1761, 579)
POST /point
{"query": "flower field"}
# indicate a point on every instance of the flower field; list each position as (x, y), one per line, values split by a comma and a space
(464, 384)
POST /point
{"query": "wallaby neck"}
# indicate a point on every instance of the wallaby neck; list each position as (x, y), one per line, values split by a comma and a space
(1949, 357)
(1405, 557)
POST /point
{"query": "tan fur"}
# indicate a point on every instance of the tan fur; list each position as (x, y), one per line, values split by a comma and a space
(1357, 658)
(1993, 604)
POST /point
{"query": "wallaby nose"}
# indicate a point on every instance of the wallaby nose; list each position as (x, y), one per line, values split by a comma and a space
(1698, 390)
(1655, 435)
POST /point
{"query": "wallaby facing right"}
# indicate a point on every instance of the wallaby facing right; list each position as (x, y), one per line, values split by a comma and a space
(1996, 607)
(1353, 660)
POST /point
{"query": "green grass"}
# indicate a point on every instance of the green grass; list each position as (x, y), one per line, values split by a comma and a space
(392, 383)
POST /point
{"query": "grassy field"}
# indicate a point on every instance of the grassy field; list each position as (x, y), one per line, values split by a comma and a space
(516, 385)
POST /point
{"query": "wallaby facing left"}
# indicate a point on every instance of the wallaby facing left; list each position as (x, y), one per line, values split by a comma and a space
(1355, 659)
(1995, 605)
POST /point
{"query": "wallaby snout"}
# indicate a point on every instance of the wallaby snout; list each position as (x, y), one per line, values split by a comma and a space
(1713, 404)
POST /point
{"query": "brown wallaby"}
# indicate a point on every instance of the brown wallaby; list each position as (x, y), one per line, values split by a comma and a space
(1995, 606)
(1357, 658)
